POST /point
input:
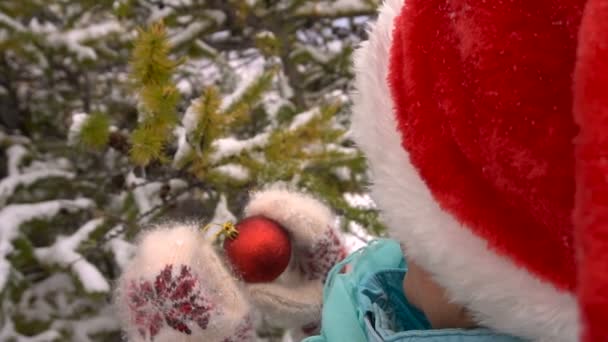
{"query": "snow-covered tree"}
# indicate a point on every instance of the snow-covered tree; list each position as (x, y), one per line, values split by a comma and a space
(115, 114)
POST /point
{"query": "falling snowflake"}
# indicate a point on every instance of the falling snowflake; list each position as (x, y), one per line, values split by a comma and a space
(172, 299)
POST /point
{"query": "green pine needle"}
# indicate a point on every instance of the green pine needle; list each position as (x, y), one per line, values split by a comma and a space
(95, 131)
(150, 60)
(146, 145)
(208, 117)
(251, 96)
(151, 71)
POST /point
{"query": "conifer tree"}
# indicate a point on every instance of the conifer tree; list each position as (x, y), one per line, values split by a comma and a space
(115, 114)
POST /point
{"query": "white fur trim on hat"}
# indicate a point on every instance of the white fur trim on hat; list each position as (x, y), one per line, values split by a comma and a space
(501, 295)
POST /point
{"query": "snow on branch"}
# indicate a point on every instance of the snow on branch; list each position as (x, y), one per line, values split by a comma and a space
(121, 249)
(9, 184)
(12, 23)
(228, 147)
(8, 139)
(356, 237)
(78, 121)
(183, 147)
(43, 299)
(84, 329)
(222, 212)
(193, 30)
(15, 155)
(335, 8)
(249, 73)
(63, 253)
(12, 216)
(321, 57)
(234, 171)
(357, 200)
(303, 118)
(74, 39)
(191, 116)
(145, 194)
(348, 151)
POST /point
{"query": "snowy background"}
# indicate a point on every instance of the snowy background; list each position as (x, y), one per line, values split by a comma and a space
(72, 195)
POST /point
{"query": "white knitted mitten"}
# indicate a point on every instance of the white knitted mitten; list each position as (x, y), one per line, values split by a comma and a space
(294, 299)
(176, 288)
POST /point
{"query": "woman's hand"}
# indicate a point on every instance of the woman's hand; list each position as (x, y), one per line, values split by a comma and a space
(176, 288)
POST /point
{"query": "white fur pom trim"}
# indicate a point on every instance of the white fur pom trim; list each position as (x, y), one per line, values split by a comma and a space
(501, 295)
(176, 250)
(303, 216)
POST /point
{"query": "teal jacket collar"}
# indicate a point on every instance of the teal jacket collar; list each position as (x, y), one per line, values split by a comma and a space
(367, 303)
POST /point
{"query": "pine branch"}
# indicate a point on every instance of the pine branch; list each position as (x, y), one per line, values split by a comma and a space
(237, 112)
(151, 70)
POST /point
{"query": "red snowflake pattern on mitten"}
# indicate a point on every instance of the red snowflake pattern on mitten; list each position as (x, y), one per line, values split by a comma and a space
(322, 256)
(173, 299)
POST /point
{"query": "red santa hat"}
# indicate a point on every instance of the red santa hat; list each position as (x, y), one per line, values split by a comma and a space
(485, 124)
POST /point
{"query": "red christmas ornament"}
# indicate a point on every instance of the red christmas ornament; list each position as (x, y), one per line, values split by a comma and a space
(261, 250)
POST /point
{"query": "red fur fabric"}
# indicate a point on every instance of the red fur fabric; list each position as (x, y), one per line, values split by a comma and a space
(483, 95)
(591, 214)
